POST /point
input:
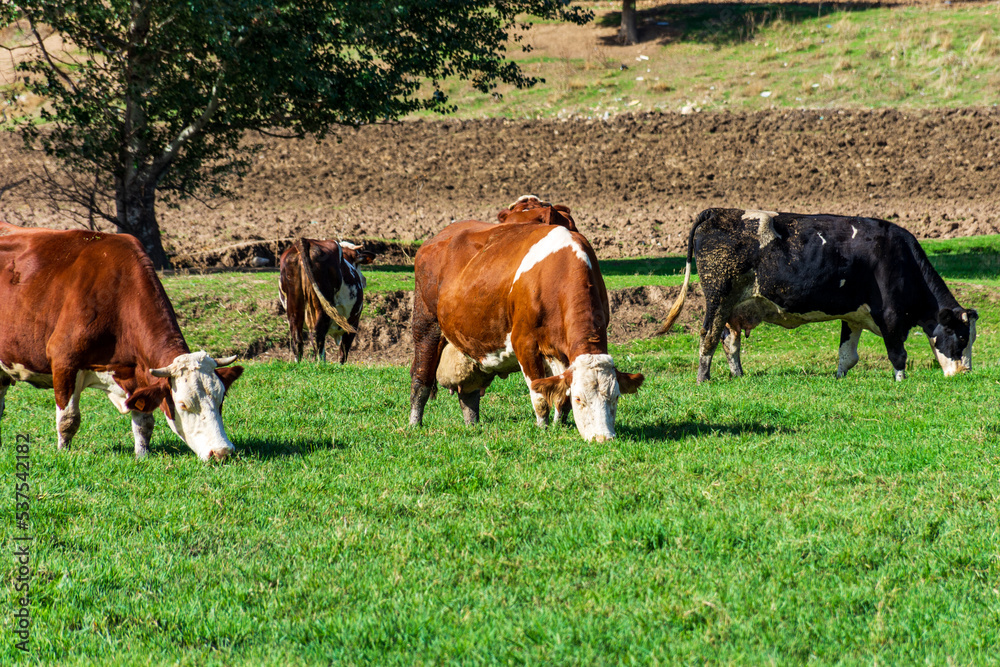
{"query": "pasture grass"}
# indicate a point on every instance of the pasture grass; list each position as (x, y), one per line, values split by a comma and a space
(783, 517)
(758, 56)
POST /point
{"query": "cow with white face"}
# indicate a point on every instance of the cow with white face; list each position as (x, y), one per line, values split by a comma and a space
(85, 309)
(522, 295)
(192, 400)
(791, 269)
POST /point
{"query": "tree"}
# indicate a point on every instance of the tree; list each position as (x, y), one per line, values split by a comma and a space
(628, 33)
(155, 97)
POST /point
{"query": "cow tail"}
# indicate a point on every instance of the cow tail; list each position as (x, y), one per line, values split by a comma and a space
(302, 245)
(675, 310)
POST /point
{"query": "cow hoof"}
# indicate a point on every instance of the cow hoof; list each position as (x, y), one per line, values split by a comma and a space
(141, 454)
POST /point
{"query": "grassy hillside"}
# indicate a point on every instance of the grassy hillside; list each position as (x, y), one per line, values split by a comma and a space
(756, 56)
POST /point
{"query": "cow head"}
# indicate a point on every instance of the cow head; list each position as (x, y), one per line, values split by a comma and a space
(357, 254)
(593, 385)
(197, 387)
(952, 338)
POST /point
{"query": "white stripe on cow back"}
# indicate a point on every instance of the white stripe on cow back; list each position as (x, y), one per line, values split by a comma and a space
(556, 240)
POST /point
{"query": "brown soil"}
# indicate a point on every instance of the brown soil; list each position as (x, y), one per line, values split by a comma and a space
(384, 337)
(634, 183)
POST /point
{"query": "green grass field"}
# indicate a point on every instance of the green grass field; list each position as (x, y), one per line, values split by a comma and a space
(785, 517)
(757, 56)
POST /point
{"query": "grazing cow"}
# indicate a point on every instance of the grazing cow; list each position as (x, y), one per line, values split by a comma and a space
(791, 269)
(492, 299)
(326, 288)
(85, 309)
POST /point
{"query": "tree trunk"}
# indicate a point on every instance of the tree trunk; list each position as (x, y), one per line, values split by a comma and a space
(137, 216)
(628, 33)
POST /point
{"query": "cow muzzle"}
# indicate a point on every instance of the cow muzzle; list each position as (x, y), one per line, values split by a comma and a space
(220, 453)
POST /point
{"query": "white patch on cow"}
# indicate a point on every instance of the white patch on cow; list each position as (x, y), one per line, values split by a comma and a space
(555, 366)
(524, 198)
(356, 272)
(899, 375)
(955, 366)
(197, 393)
(19, 373)
(842, 281)
(821, 238)
(595, 396)
(855, 231)
(759, 309)
(502, 360)
(765, 228)
(556, 240)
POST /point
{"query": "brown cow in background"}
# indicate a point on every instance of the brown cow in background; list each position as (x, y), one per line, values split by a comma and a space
(327, 289)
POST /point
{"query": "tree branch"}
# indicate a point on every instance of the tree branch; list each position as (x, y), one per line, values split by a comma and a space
(161, 163)
(48, 58)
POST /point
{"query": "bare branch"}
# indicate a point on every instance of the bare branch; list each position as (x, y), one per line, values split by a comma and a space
(48, 58)
(10, 186)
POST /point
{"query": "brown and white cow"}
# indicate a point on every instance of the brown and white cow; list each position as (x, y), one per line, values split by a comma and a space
(326, 289)
(85, 309)
(492, 299)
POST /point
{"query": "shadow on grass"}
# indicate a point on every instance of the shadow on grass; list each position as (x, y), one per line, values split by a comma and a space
(258, 448)
(966, 265)
(656, 266)
(720, 23)
(264, 449)
(681, 430)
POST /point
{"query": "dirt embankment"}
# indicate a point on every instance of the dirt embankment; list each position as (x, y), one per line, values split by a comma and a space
(634, 183)
(385, 337)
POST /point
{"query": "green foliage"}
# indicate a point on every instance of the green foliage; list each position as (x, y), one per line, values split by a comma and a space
(162, 94)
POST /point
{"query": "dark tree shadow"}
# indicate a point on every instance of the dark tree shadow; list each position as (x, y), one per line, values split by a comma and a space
(720, 23)
(681, 430)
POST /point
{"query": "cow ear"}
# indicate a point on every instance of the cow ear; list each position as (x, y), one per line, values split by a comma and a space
(947, 317)
(554, 388)
(969, 315)
(502, 215)
(629, 383)
(229, 375)
(148, 398)
(366, 256)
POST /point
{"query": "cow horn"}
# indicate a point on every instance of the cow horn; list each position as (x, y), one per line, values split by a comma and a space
(225, 361)
(965, 317)
(160, 372)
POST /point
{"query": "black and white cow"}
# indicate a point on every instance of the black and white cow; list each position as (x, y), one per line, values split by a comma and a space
(791, 269)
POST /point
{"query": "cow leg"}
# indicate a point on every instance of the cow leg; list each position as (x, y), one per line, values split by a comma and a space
(319, 340)
(345, 345)
(731, 345)
(849, 338)
(142, 429)
(711, 334)
(533, 367)
(427, 346)
(470, 407)
(296, 321)
(897, 356)
(67, 384)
